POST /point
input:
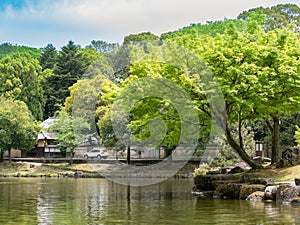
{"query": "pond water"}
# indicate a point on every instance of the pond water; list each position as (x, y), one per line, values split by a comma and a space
(99, 201)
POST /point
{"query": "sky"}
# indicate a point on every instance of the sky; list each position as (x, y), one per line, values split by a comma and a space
(36, 23)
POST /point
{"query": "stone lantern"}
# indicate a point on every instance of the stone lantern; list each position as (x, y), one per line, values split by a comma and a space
(259, 148)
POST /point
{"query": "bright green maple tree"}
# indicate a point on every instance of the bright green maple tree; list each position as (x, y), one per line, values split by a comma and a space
(258, 73)
(18, 128)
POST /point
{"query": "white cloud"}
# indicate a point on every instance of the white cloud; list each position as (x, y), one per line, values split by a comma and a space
(111, 20)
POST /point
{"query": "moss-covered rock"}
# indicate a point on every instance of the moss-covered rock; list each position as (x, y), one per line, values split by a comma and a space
(210, 182)
(248, 189)
(250, 178)
(228, 191)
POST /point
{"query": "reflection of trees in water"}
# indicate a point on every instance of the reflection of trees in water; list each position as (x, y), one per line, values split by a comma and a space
(17, 201)
(77, 201)
(98, 201)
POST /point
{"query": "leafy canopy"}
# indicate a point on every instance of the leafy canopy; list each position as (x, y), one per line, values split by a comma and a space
(18, 128)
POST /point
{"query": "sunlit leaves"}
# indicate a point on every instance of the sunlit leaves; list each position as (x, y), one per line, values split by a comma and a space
(20, 78)
(18, 128)
(70, 131)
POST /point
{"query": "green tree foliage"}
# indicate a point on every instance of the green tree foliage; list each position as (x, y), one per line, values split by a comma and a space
(277, 16)
(155, 121)
(96, 63)
(87, 95)
(106, 130)
(70, 61)
(103, 46)
(71, 132)
(140, 39)
(7, 48)
(18, 128)
(91, 99)
(70, 67)
(120, 60)
(259, 74)
(297, 135)
(211, 28)
(48, 58)
(20, 78)
(288, 125)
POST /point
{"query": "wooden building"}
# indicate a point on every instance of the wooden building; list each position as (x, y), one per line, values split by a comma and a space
(46, 145)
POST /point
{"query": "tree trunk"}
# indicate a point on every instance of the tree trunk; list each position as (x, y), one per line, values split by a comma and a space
(71, 158)
(1, 156)
(239, 149)
(275, 141)
(128, 154)
(9, 155)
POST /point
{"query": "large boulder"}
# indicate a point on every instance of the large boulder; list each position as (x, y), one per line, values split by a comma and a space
(270, 192)
(204, 182)
(210, 182)
(281, 189)
(248, 189)
(288, 193)
(290, 157)
(228, 191)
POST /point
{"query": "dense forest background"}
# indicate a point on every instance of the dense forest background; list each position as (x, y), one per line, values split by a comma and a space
(255, 59)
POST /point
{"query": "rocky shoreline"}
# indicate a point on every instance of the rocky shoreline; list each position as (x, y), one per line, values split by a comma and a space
(78, 174)
(246, 186)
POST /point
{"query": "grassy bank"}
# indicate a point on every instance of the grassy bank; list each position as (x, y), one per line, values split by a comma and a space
(280, 174)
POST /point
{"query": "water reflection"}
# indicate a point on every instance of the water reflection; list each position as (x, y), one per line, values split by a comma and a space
(98, 201)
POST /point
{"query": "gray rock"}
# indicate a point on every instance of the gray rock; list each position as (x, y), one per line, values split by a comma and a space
(237, 169)
(290, 157)
(287, 192)
(270, 192)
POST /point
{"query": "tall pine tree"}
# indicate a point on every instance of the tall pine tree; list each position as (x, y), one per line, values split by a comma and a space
(49, 57)
(70, 66)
